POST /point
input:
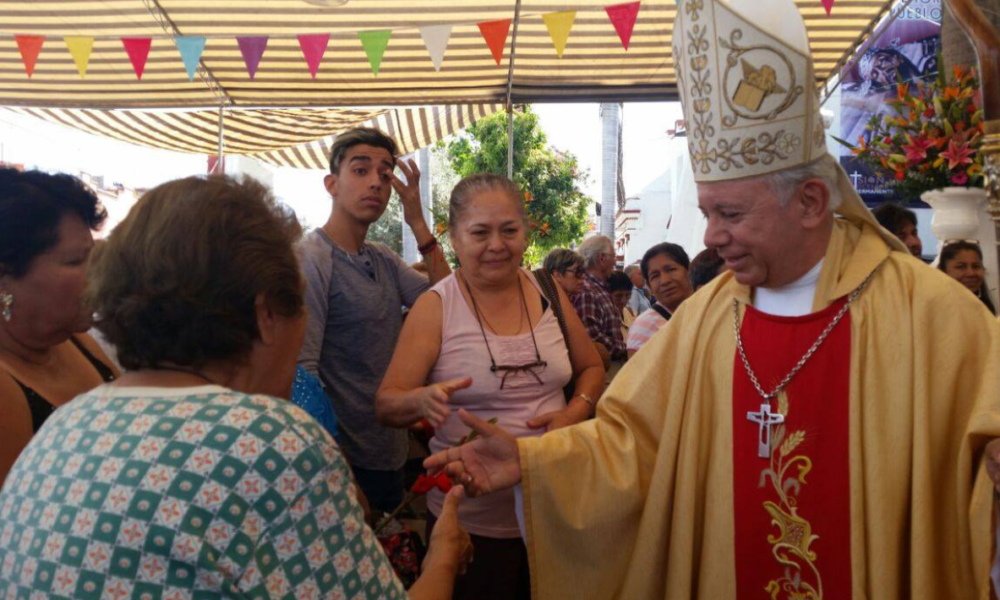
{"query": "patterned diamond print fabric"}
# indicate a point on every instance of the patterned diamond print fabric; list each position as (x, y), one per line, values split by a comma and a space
(158, 497)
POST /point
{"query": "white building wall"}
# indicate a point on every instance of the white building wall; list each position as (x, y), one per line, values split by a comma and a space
(654, 204)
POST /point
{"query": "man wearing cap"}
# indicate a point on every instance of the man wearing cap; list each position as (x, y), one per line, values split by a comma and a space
(814, 423)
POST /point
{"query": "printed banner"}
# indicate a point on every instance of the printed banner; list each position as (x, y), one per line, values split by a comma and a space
(906, 51)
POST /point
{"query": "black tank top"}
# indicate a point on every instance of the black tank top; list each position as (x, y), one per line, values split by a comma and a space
(42, 408)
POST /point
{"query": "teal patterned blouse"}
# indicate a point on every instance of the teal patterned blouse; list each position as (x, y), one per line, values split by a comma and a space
(193, 493)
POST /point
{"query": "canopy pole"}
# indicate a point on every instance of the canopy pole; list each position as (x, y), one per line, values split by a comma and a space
(220, 166)
(510, 88)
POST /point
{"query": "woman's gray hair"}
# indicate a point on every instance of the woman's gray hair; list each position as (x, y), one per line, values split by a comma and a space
(593, 247)
(561, 260)
(473, 185)
(785, 183)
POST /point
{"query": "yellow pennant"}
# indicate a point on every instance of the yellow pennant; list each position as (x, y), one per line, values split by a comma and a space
(559, 24)
(79, 49)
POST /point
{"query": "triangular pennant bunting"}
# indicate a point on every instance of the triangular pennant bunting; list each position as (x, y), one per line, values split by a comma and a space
(436, 40)
(828, 5)
(375, 43)
(313, 48)
(79, 49)
(138, 52)
(29, 46)
(190, 49)
(559, 25)
(495, 34)
(252, 48)
(623, 18)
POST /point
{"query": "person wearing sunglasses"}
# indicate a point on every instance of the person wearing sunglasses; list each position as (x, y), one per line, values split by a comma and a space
(487, 340)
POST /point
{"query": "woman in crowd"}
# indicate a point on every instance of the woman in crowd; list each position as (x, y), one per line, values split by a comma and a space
(488, 341)
(705, 267)
(188, 476)
(46, 358)
(963, 261)
(665, 267)
(566, 268)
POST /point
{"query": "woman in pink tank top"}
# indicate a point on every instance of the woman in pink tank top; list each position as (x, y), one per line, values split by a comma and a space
(488, 341)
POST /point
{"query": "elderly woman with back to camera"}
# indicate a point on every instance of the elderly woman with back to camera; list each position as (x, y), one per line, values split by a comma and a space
(46, 357)
(191, 476)
(489, 340)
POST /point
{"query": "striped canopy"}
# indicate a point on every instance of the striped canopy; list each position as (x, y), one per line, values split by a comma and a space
(299, 138)
(594, 66)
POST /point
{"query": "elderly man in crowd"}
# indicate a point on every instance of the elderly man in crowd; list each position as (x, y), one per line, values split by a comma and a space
(593, 302)
(814, 423)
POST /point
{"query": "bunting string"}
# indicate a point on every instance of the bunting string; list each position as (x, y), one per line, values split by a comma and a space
(621, 17)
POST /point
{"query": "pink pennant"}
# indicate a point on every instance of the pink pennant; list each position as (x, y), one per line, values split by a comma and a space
(252, 48)
(313, 48)
(623, 18)
(828, 5)
(29, 46)
(138, 52)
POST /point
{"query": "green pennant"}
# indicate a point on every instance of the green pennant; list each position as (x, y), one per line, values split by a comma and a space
(374, 43)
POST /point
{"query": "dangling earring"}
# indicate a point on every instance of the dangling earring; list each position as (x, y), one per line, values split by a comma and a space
(6, 300)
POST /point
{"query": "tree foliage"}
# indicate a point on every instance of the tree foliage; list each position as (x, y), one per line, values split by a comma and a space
(389, 228)
(549, 178)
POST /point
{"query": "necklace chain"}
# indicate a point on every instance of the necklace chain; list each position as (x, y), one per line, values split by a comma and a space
(480, 318)
(809, 353)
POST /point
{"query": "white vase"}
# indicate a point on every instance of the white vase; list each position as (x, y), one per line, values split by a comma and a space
(957, 212)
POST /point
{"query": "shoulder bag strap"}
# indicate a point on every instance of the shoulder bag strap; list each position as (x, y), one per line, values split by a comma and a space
(548, 285)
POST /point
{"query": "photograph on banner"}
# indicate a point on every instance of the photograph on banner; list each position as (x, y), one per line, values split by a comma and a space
(906, 49)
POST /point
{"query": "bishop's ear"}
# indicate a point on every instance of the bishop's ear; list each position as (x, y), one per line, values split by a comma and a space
(814, 197)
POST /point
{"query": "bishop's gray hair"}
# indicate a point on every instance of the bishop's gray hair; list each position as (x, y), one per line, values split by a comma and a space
(785, 183)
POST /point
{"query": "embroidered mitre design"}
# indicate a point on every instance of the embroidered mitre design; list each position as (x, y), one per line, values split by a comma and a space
(749, 99)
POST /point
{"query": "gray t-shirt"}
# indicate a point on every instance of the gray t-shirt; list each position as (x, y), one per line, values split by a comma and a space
(354, 322)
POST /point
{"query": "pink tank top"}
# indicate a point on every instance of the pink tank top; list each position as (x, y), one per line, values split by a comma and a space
(464, 354)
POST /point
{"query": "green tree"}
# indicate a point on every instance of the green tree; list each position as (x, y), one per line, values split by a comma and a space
(549, 178)
(389, 228)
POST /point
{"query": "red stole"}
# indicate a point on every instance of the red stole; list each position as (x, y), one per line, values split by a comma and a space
(792, 511)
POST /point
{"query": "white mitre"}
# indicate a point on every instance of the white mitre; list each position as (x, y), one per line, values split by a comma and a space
(748, 90)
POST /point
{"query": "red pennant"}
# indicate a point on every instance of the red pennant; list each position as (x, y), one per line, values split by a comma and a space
(495, 34)
(623, 18)
(138, 52)
(30, 46)
(828, 5)
(313, 48)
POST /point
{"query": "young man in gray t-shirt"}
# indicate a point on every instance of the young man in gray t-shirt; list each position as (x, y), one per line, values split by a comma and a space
(355, 294)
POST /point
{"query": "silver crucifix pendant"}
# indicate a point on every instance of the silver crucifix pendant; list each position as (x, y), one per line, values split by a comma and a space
(765, 419)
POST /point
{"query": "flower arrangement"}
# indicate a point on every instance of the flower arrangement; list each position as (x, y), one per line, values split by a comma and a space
(932, 137)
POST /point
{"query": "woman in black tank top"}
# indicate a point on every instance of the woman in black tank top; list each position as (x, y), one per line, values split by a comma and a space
(40, 407)
(45, 244)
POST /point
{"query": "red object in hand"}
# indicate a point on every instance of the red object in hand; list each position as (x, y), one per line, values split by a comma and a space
(426, 483)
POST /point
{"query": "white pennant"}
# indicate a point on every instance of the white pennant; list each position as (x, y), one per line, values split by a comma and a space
(436, 40)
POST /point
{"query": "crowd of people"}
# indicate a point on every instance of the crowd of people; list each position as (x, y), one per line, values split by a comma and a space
(175, 344)
(211, 404)
(211, 304)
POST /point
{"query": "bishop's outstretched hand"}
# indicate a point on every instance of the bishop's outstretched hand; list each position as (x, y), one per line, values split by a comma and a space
(488, 464)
